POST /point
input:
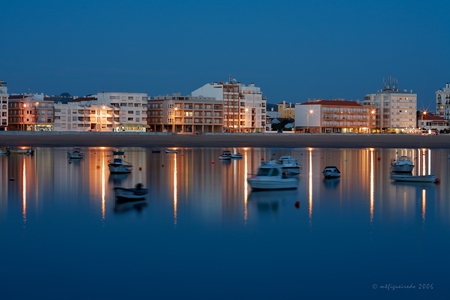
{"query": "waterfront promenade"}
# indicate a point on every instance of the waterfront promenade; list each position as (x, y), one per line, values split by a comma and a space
(223, 140)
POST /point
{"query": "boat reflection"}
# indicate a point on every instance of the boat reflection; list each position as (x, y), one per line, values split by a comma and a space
(272, 200)
(117, 178)
(129, 206)
(331, 182)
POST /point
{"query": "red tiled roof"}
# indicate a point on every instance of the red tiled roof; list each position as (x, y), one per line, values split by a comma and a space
(433, 118)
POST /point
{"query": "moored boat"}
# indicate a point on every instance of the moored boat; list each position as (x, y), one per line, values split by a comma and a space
(413, 178)
(4, 150)
(236, 155)
(331, 172)
(271, 176)
(29, 151)
(171, 151)
(76, 153)
(118, 152)
(403, 164)
(226, 155)
(290, 164)
(118, 165)
(137, 193)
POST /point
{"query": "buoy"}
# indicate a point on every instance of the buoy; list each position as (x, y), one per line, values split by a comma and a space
(98, 167)
(379, 158)
(163, 166)
(437, 180)
(140, 168)
(11, 179)
(297, 204)
(212, 162)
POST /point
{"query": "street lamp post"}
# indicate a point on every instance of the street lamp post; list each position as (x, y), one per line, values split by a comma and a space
(307, 119)
(423, 114)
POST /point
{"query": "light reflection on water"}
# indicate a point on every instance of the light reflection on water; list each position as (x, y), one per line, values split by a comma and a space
(202, 223)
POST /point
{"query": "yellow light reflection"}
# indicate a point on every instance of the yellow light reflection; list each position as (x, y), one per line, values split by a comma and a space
(310, 186)
(103, 187)
(24, 191)
(372, 183)
(424, 204)
(245, 186)
(175, 190)
(423, 162)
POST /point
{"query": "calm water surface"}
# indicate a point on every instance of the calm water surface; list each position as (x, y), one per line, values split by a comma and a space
(204, 235)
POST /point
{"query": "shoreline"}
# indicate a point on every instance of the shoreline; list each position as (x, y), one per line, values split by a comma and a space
(224, 140)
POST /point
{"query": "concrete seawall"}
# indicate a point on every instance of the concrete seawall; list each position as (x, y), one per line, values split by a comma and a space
(224, 140)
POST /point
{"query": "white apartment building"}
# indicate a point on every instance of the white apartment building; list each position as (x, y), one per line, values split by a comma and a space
(244, 107)
(3, 106)
(85, 116)
(132, 109)
(395, 110)
(443, 102)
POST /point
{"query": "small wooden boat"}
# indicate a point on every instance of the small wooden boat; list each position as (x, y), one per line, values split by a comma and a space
(171, 151)
(412, 178)
(331, 172)
(137, 193)
(76, 153)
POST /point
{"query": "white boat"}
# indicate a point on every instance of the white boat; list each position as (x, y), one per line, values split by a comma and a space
(331, 172)
(411, 178)
(130, 194)
(236, 155)
(226, 155)
(118, 152)
(118, 165)
(271, 176)
(290, 164)
(76, 153)
(171, 151)
(403, 164)
(21, 150)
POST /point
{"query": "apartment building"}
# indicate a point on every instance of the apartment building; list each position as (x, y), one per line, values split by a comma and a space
(3, 106)
(395, 110)
(443, 102)
(184, 114)
(132, 109)
(30, 112)
(244, 107)
(334, 116)
(286, 110)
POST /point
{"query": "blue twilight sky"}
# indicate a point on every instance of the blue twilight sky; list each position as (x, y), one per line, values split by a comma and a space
(293, 50)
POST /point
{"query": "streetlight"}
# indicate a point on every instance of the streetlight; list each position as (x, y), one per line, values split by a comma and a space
(373, 112)
(423, 114)
(310, 112)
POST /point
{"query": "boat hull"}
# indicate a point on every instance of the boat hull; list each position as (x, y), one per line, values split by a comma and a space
(261, 183)
(402, 168)
(410, 178)
(129, 195)
(119, 169)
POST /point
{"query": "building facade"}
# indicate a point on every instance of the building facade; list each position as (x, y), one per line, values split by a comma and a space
(244, 107)
(334, 116)
(3, 106)
(428, 122)
(286, 110)
(30, 112)
(443, 102)
(132, 109)
(395, 110)
(86, 115)
(184, 114)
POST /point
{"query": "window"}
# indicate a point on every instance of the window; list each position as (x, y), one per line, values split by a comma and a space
(130, 119)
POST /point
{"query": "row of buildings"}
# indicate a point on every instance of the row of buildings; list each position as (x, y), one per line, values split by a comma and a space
(219, 107)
